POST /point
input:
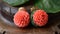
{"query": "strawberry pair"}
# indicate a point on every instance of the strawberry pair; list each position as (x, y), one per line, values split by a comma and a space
(22, 18)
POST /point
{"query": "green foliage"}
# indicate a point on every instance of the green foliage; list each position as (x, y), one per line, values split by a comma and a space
(15, 2)
(50, 6)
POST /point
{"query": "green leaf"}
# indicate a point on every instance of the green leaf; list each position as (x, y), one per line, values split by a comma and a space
(15, 2)
(50, 6)
(31, 16)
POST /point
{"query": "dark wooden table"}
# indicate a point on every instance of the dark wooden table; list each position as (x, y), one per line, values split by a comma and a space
(9, 29)
(53, 28)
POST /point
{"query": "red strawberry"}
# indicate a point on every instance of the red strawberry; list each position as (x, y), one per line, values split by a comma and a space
(40, 17)
(21, 18)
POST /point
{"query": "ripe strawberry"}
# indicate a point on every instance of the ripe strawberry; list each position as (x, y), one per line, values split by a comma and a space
(21, 18)
(39, 17)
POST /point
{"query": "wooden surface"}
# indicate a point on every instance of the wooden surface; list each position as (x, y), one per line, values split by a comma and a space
(9, 28)
(15, 30)
(49, 29)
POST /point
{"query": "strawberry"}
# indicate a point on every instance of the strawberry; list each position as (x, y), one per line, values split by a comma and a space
(39, 18)
(21, 18)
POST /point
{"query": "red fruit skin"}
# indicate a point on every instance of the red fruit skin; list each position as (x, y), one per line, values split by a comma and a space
(40, 17)
(21, 18)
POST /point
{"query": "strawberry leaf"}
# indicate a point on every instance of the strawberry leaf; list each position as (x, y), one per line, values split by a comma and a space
(50, 6)
(15, 2)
